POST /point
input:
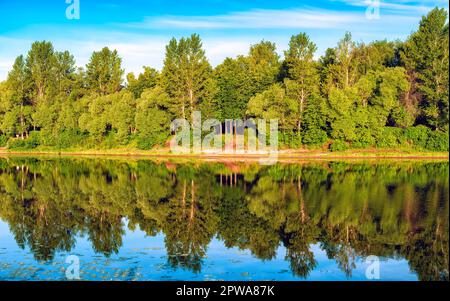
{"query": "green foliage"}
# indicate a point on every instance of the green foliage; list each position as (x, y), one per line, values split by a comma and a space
(28, 143)
(338, 145)
(390, 137)
(314, 137)
(423, 137)
(104, 72)
(152, 120)
(381, 94)
(3, 140)
(426, 55)
(438, 141)
(187, 77)
(418, 136)
(145, 80)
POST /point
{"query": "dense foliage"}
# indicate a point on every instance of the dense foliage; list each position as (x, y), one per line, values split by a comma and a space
(387, 209)
(382, 94)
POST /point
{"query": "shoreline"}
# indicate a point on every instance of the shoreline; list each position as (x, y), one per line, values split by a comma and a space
(284, 154)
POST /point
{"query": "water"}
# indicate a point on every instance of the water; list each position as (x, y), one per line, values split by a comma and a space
(138, 219)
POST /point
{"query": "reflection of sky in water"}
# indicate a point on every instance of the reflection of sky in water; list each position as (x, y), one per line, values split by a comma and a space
(145, 258)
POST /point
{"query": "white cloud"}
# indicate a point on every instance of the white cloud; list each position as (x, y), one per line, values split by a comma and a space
(259, 18)
(398, 6)
(300, 18)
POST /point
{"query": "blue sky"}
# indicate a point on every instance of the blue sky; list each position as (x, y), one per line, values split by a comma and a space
(140, 29)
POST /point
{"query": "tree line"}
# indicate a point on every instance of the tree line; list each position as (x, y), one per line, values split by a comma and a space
(384, 94)
(391, 210)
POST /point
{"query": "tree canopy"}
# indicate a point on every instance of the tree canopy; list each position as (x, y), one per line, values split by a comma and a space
(385, 94)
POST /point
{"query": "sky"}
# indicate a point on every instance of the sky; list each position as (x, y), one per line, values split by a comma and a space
(139, 29)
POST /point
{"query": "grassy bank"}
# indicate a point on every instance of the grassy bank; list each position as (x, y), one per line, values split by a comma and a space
(284, 153)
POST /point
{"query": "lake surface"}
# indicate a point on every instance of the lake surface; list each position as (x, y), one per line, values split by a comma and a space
(139, 219)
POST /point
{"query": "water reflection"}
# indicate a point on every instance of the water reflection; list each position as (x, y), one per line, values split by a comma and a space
(392, 210)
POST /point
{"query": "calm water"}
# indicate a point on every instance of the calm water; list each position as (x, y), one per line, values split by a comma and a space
(149, 220)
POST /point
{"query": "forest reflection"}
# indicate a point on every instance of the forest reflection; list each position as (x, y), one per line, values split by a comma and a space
(388, 209)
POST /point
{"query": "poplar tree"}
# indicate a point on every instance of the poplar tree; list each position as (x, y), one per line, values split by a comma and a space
(104, 72)
(187, 75)
(19, 108)
(426, 56)
(302, 76)
(40, 65)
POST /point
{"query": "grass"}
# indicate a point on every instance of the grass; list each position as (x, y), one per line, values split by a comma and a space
(283, 153)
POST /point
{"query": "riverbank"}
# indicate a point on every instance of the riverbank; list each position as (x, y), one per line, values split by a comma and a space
(282, 154)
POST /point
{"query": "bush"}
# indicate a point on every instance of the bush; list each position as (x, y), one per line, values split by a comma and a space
(68, 139)
(3, 140)
(151, 140)
(364, 138)
(24, 144)
(338, 145)
(437, 141)
(314, 137)
(390, 137)
(418, 136)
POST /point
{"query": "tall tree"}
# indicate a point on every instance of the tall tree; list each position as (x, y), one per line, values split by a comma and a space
(345, 59)
(40, 65)
(426, 56)
(146, 80)
(264, 65)
(64, 72)
(18, 82)
(104, 72)
(187, 75)
(302, 75)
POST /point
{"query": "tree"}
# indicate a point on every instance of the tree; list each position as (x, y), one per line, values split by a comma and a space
(426, 57)
(104, 72)
(274, 104)
(64, 73)
(187, 75)
(302, 76)
(147, 79)
(152, 118)
(108, 118)
(346, 67)
(242, 78)
(264, 66)
(19, 108)
(234, 87)
(40, 64)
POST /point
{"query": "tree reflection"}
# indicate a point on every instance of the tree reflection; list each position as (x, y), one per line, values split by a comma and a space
(351, 211)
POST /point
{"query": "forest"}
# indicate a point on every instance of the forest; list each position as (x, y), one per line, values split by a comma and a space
(384, 94)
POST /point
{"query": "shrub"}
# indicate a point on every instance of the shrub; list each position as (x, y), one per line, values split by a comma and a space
(364, 138)
(68, 139)
(437, 141)
(338, 145)
(23, 144)
(314, 137)
(418, 136)
(390, 137)
(3, 140)
(149, 141)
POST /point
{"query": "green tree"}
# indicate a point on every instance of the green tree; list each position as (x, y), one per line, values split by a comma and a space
(187, 76)
(146, 80)
(302, 77)
(426, 56)
(17, 119)
(40, 64)
(152, 118)
(104, 72)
